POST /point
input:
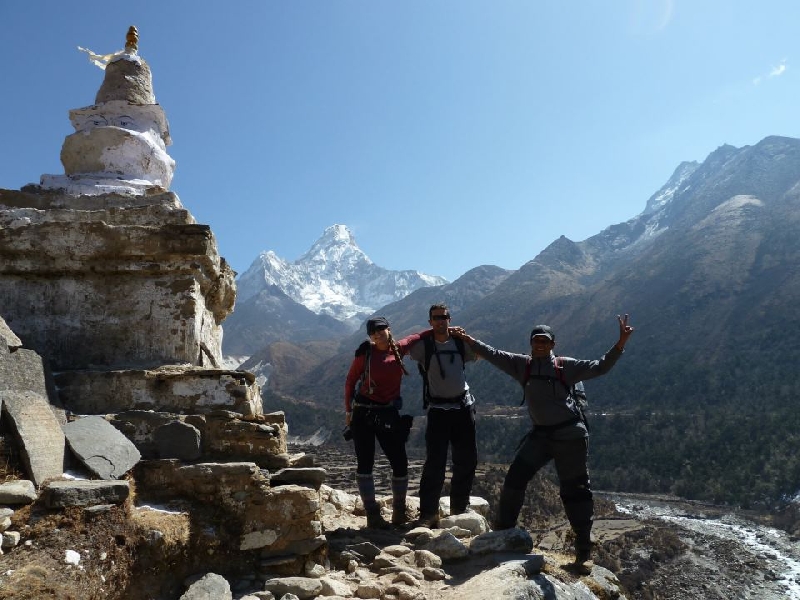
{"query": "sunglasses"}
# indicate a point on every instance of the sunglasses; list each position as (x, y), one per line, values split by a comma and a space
(440, 318)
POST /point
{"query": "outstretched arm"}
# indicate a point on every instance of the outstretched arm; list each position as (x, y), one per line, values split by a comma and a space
(508, 362)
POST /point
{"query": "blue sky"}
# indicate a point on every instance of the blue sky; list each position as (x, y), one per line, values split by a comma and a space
(445, 134)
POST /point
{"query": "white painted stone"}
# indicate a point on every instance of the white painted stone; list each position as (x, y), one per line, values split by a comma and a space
(258, 539)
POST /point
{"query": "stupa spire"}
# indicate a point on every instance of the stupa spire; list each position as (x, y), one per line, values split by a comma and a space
(119, 144)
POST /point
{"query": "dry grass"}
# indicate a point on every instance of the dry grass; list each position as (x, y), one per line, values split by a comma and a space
(37, 569)
(10, 464)
(174, 529)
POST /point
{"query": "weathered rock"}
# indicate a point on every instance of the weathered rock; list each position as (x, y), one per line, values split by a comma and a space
(313, 569)
(505, 540)
(210, 587)
(23, 370)
(225, 435)
(339, 500)
(16, 492)
(383, 561)
(58, 494)
(519, 579)
(397, 550)
(607, 582)
(8, 337)
(333, 587)
(284, 565)
(433, 574)
(42, 440)
(276, 520)
(426, 558)
(10, 539)
(370, 589)
(178, 440)
(367, 551)
(5, 523)
(313, 477)
(171, 388)
(404, 593)
(302, 587)
(447, 546)
(476, 503)
(263, 595)
(101, 447)
(472, 522)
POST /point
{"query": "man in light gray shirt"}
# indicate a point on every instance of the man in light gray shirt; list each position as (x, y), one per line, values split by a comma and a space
(451, 417)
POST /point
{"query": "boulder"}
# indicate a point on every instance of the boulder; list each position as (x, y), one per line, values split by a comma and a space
(39, 432)
(58, 494)
(209, 587)
(98, 445)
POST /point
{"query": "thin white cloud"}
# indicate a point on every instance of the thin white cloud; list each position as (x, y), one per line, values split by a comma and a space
(779, 70)
(774, 72)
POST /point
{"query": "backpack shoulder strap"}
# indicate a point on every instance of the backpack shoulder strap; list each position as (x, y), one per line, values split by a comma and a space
(462, 351)
(423, 369)
(557, 365)
(525, 379)
(364, 350)
(429, 350)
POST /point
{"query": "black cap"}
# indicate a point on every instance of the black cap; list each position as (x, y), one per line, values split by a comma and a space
(376, 323)
(543, 330)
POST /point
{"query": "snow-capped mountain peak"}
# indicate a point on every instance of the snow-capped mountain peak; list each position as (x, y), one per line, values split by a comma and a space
(335, 277)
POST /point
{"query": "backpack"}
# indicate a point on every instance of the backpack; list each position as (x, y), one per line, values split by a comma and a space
(430, 351)
(576, 390)
(363, 350)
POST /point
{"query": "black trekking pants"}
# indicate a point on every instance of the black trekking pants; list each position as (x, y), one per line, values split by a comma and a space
(391, 441)
(570, 458)
(448, 428)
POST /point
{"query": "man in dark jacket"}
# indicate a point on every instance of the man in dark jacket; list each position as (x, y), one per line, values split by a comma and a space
(559, 432)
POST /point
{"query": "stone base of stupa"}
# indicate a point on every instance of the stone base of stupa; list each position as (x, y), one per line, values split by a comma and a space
(112, 281)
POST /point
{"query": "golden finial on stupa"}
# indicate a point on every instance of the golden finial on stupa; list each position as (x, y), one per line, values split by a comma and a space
(132, 40)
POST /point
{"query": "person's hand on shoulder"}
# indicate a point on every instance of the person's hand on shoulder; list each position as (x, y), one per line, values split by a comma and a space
(460, 333)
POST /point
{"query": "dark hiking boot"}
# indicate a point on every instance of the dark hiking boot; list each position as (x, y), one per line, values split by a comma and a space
(429, 521)
(399, 516)
(583, 553)
(457, 509)
(376, 521)
(583, 561)
(399, 492)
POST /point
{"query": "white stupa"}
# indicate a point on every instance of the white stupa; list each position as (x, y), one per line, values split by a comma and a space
(120, 143)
